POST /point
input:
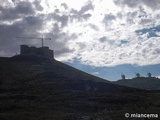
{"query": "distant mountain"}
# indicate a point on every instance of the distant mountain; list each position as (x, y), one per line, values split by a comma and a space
(148, 83)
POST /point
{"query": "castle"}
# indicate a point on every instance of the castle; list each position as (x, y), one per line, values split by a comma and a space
(44, 51)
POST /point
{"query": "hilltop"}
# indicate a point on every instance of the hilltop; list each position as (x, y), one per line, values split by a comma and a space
(147, 83)
(34, 87)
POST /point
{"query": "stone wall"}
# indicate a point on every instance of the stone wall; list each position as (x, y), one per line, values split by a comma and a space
(44, 51)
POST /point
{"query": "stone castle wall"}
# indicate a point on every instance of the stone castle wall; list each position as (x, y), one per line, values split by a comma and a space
(44, 51)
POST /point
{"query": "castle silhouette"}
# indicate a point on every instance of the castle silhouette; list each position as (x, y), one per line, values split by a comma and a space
(43, 51)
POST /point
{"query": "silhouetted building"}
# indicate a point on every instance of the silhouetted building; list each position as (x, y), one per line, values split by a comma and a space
(149, 75)
(137, 75)
(123, 77)
(44, 51)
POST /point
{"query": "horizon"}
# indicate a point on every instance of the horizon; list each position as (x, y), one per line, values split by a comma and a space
(107, 72)
(102, 38)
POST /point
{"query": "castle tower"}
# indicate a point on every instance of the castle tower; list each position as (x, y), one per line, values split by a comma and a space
(137, 75)
(123, 76)
(149, 75)
(45, 51)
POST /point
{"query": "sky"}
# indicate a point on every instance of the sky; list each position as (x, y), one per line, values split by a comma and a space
(105, 38)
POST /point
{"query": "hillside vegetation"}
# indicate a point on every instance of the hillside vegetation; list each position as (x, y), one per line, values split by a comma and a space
(36, 88)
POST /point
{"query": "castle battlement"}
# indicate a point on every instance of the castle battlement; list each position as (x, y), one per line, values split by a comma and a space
(44, 51)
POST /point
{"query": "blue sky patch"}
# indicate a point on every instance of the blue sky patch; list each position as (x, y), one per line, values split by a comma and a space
(114, 73)
(151, 31)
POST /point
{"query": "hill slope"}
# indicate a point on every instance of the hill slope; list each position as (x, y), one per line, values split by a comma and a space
(151, 83)
(30, 70)
(36, 88)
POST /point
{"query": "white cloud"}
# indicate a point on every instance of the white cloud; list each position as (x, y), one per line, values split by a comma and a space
(95, 73)
(97, 32)
(158, 77)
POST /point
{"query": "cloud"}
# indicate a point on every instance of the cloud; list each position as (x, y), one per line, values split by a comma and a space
(103, 39)
(25, 27)
(108, 19)
(24, 20)
(64, 5)
(82, 14)
(63, 19)
(153, 4)
(95, 33)
(15, 12)
(96, 28)
(129, 3)
(63, 50)
(95, 73)
(37, 5)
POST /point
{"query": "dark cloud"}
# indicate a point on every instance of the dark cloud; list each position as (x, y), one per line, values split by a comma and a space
(142, 13)
(59, 17)
(33, 21)
(64, 5)
(145, 21)
(22, 20)
(28, 25)
(37, 5)
(63, 50)
(24, 8)
(156, 51)
(82, 14)
(63, 19)
(103, 39)
(86, 8)
(96, 28)
(60, 40)
(57, 32)
(20, 10)
(153, 4)
(108, 18)
(129, 3)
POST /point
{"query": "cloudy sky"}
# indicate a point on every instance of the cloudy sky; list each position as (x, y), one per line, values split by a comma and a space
(102, 37)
